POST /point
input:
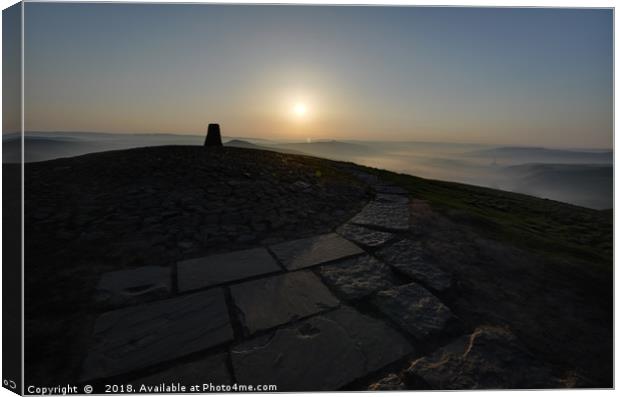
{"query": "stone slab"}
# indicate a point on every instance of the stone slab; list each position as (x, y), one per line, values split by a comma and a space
(312, 251)
(363, 236)
(268, 302)
(408, 257)
(222, 268)
(489, 358)
(359, 277)
(415, 310)
(384, 216)
(212, 369)
(140, 336)
(133, 286)
(324, 352)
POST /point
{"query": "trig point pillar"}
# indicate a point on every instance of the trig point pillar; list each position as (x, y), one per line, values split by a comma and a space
(213, 136)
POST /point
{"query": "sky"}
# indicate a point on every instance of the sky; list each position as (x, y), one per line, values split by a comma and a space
(536, 77)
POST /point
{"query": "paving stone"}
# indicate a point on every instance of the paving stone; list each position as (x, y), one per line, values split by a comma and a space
(363, 236)
(140, 336)
(324, 352)
(389, 189)
(359, 277)
(489, 358)
(427, 274)
(268, 302)
(212, 370)
(299, 254)
(132, 286)
(408, 257)
(222, 268)
(386, 216)
(415, 309)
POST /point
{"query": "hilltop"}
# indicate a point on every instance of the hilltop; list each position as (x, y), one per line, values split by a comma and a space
(528, 278)
(581, 177)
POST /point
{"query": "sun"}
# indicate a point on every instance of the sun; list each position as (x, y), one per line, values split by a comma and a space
(300, 109)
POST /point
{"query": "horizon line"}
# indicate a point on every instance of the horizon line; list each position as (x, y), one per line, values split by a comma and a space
(511, 145)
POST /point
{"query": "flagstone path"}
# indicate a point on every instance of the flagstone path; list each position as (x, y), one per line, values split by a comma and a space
(317, 313)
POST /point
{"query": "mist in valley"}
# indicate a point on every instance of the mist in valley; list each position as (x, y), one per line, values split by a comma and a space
(580, 177)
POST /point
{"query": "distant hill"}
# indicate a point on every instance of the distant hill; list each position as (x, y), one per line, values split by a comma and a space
(335, 150)
(242, 144)
(539, 154)
(53, 145)
(239, 143)
(46, 148)
(330, 149)
(42, 146)
(588, 185)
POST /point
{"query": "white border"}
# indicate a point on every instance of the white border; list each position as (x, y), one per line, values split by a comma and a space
(475, 3)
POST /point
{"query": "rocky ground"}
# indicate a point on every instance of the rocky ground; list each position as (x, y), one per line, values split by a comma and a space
(243, 266)
(92, 214)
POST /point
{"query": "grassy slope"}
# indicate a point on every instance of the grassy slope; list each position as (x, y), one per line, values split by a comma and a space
(549, 227)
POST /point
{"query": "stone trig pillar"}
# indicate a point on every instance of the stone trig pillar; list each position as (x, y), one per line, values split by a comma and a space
(213, 136)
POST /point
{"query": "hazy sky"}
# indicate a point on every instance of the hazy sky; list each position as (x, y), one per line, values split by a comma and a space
(505, 76)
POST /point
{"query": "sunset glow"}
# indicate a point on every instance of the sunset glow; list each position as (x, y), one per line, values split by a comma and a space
(300, 109)
(375, 69)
